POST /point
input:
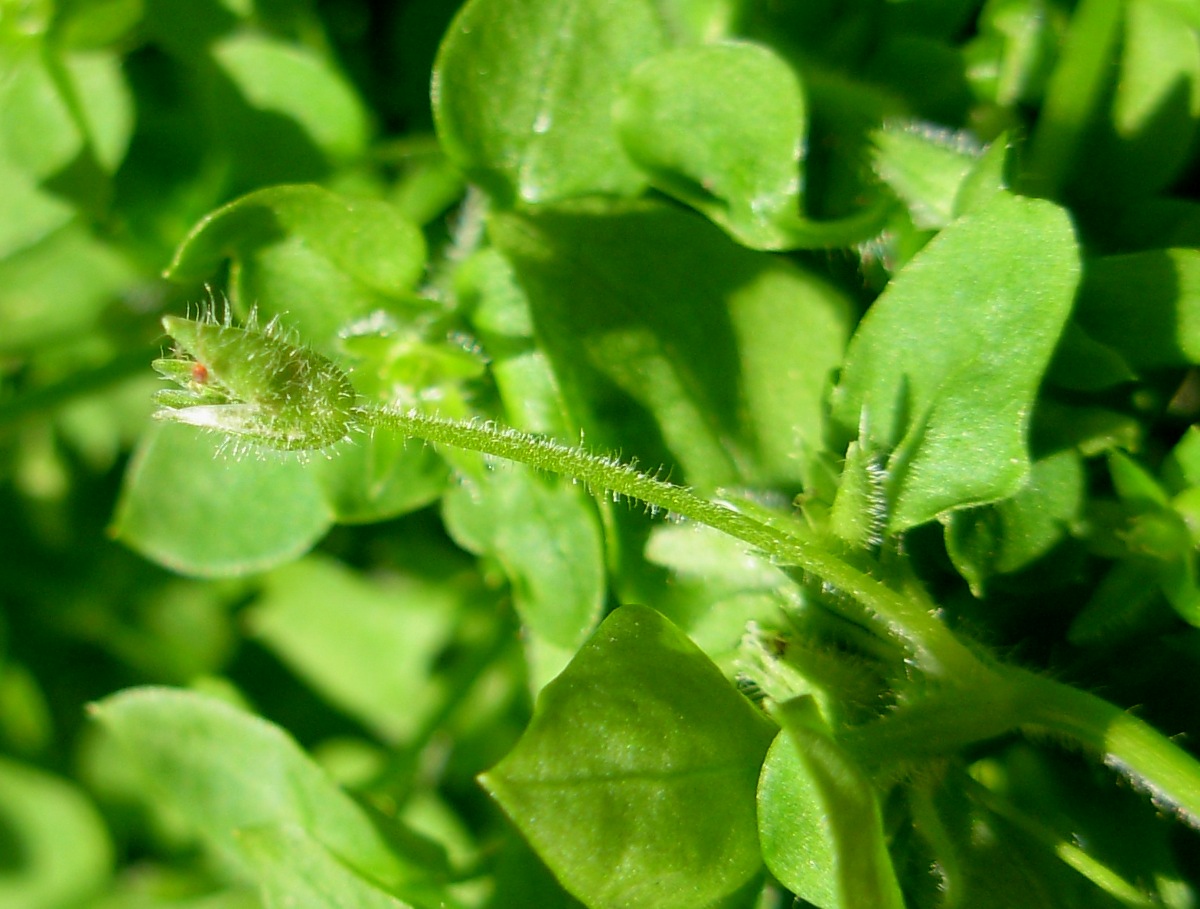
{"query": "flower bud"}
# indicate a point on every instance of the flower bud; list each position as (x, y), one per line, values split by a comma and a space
(251, 383)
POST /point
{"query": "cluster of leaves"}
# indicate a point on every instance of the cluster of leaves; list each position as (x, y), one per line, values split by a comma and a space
(904, 299)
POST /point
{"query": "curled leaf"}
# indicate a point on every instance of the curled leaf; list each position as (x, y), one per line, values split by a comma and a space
(253, 383)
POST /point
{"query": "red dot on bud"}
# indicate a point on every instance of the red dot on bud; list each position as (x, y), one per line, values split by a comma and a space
(199, 373)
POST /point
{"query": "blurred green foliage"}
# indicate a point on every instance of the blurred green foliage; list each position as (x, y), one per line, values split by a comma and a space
(656, 225)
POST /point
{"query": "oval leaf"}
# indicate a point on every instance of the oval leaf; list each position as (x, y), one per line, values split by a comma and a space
(200, 512)
(319, 257)
(720, 127)
(635, 779)
(225, 770)
(56, 849)
(546, 535)
(941, 376)
(522, 93)
(822, 835)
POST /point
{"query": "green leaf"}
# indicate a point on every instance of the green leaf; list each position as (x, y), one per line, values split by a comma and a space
(226, 771)
(1181, 467)
(698, 21)
(1082, 363)
(635, 779)
(1127, 127)
(522, 92)
(369, 648)
(38, 131)
(295, 869)
(96, 23)
(289, 80)
(103, 103)
(1009, 535)
(1008, 60)
(546, 535)
(66, 280)
(727, 350)
(27, 212)
(316, 257)
(942, 374)
(1148, 134)
(380, 476)
(1145, 306)
(56, 848)
(1123, 604)
(720, 127)
(200, 512)
(925, 167)
(1074, 93)
(820, 824)
(860, 509)
(1133, 483)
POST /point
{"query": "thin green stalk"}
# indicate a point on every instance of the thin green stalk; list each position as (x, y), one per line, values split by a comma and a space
(1135, 749)
(934, 646)
(1005, 699)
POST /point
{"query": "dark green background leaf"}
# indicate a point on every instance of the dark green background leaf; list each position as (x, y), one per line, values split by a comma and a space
(727, 352)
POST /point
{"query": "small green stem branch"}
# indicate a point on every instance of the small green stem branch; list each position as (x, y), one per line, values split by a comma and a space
(1135, 749)
(1006, 699)
(935, 648)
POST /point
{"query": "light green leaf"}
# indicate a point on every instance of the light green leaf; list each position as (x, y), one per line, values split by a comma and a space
(1008, 59)
(942, 374)
(698, 21)
(227, 771)
(28, 214)
(727, 351)
(820, 824)
(38, 132)
(103, 102)
(1181, 468)
(56, 848)
(522, 92)
(289, 80)
(96, 23)
(380, 476)
(67, 280)
(547, 536)
(200, 512)
(369, 648)
(1133, 483)
(313, 256)
(720, 127)
(860, 510)
(635, 779)
(295, 869)
(1074, 92)
(925, 167)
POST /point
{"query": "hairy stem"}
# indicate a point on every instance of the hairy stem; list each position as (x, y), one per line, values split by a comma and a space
(1152, 761)
(935, 648)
